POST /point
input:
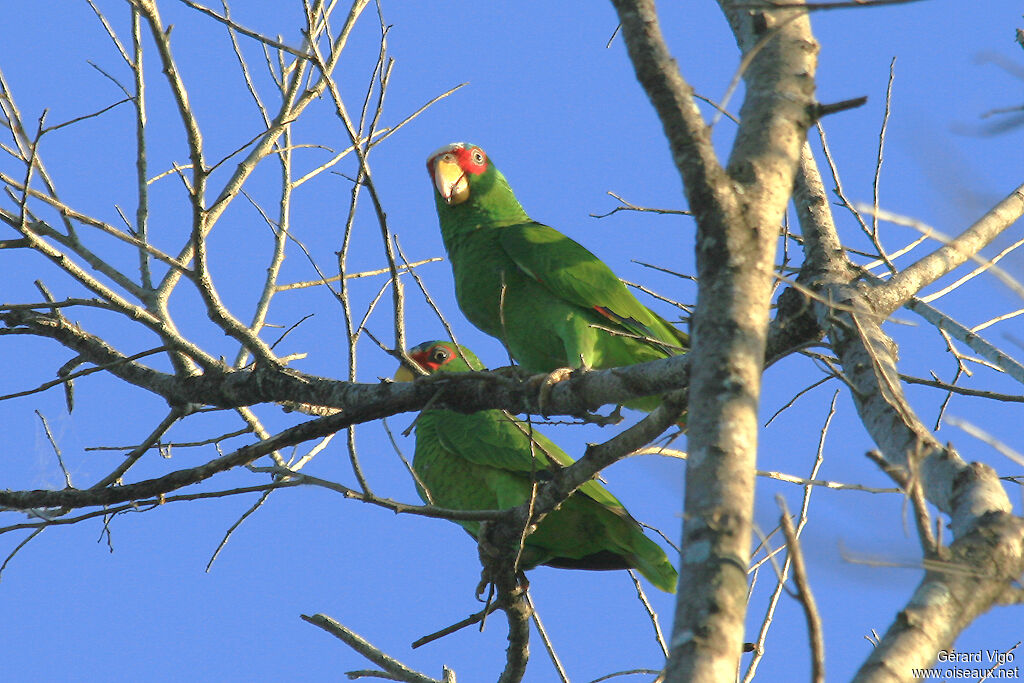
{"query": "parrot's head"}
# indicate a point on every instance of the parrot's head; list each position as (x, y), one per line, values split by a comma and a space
(454, 167)
(467, 184)
(439, 356)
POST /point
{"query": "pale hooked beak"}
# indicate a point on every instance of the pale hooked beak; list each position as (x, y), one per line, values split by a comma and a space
(450, 180)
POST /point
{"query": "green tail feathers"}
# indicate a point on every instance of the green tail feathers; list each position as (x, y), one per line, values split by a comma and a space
(650, 560)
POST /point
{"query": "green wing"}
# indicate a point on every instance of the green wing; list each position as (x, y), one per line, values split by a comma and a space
(577, 276)
(490, 458)
(496, 439)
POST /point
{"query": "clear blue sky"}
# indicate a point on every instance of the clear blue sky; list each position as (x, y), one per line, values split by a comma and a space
(564, 119)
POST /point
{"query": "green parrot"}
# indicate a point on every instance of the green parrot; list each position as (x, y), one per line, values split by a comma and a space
(485, 461)
(544, 295)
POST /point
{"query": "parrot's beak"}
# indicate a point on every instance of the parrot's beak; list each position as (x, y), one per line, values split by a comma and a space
(450, 181)
(404, 374)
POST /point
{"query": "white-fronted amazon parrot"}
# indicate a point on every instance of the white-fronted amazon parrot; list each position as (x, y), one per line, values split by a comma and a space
(486, 461)
(544, 295)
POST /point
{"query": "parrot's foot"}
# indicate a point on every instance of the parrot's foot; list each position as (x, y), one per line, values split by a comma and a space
(484, 585)
(548, 383)
(487, 585)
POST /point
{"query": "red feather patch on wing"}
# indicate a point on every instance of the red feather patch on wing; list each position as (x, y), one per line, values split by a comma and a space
(623, 320)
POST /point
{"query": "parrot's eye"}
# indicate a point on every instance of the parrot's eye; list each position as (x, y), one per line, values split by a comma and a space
(439, 355)
(478, 157)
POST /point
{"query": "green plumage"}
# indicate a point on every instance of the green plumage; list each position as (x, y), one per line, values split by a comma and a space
(485, 461)
(532, 287)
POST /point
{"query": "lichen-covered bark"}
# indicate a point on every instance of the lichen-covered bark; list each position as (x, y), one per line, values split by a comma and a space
(987, 557)
(738, 210)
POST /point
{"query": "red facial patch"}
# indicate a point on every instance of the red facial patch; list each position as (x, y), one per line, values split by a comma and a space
(433, 358)
(471, 159)
(422, 359)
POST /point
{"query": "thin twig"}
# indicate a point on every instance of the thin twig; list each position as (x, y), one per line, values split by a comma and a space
(133, 456)
(391, 665)
(875, 240)
(548, 646)
(983, 435)
(233, 26)
(56, 449)
(651, 614)
(457, 626)
(22, 544)
(353, 276)
(227, 534)
(804, 595)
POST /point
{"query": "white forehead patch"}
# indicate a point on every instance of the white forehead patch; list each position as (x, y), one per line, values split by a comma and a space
(447, 148)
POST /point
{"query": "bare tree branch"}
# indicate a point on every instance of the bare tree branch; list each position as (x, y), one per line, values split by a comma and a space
(738, 212)
(902, 286)
(804, 595)
(391, 665)
(987, 535)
